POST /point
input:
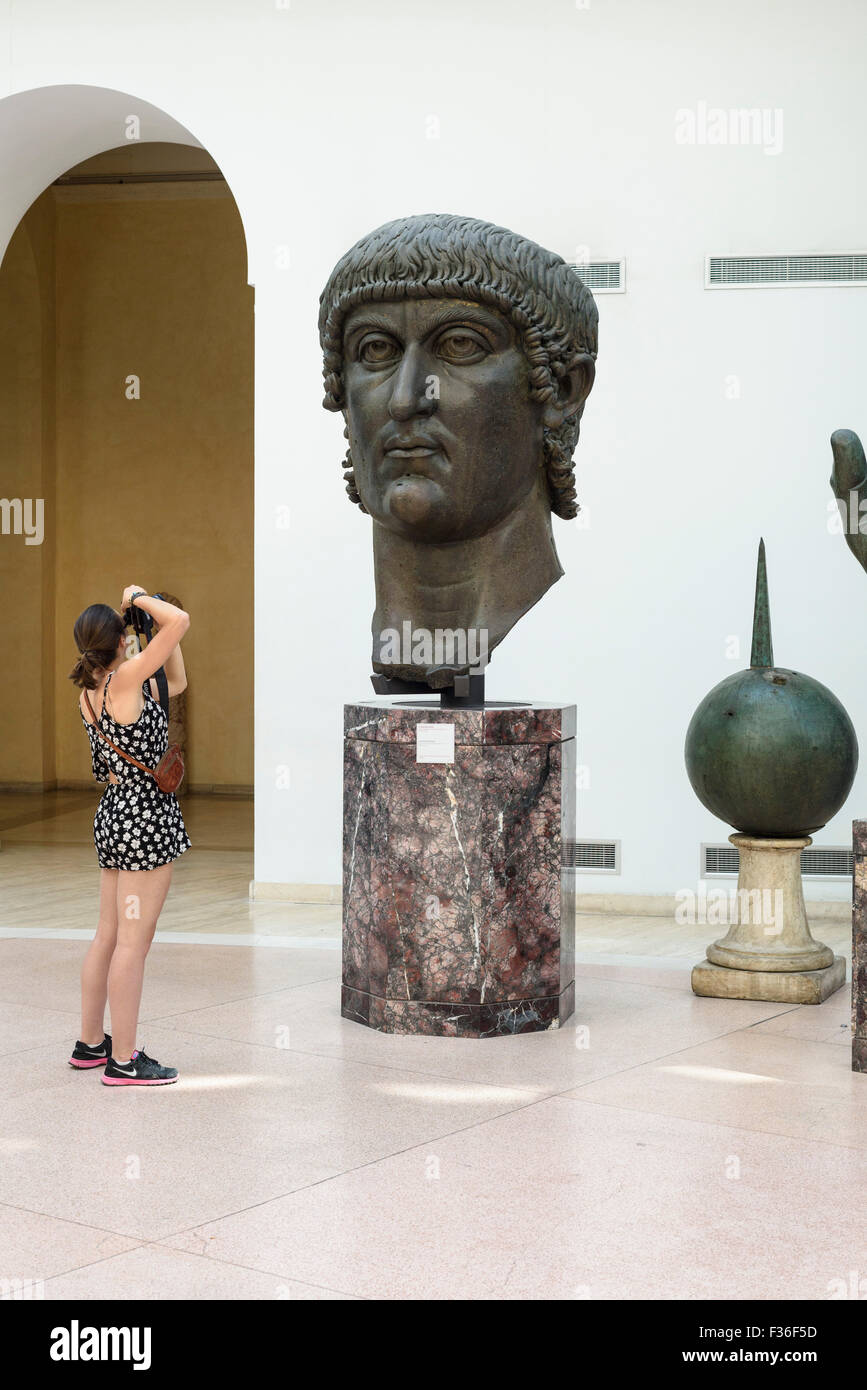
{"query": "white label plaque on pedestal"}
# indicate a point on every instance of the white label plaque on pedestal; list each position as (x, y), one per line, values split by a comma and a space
(434, 743)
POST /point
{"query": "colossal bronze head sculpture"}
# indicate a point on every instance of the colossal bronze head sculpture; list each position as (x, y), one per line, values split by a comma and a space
(460, 355)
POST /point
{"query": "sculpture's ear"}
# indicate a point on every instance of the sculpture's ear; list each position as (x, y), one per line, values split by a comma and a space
(572, 391)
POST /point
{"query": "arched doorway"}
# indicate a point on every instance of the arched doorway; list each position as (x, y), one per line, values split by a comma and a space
(126, 429)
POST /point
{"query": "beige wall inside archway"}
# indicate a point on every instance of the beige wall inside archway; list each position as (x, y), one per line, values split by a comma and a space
(103, 280)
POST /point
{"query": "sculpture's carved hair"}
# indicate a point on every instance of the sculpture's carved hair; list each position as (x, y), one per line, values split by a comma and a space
(438, 255)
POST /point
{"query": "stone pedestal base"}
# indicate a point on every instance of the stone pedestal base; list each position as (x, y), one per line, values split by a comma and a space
(859, 946)
(457, 1020)
(768, 952)
(458, 919)
(774, 986)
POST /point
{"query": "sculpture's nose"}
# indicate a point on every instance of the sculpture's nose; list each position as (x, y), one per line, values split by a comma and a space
(413, 387)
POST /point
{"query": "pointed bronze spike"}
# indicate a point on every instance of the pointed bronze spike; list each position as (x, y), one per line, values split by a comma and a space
(763, 652)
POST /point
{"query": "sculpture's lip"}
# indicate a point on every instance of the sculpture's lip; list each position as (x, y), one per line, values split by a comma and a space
(417, 441)
(412, 456)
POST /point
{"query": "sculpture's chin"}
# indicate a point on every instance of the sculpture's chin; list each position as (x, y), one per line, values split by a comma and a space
(412, 500)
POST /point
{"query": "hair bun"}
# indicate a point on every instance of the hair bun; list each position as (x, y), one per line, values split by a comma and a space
(100, 627)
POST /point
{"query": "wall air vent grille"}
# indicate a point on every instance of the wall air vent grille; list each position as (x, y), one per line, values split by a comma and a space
(833, 862)
(822, 861)
(719, 859)
(598, 856)
(602, 276)
(731, 272)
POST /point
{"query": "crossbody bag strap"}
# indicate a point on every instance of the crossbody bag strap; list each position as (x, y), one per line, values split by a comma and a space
(163, 686)
(128, 756)
(159, 676)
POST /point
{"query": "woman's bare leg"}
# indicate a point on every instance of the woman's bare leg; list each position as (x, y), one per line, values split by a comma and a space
(140, 897)
(94, 969)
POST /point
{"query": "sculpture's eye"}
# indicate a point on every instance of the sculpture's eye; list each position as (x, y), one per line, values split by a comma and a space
(459, 345)
(378, 351)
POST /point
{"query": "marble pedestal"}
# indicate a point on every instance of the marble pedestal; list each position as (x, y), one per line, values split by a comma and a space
(458, 918)
(769, 952)
(859, 946)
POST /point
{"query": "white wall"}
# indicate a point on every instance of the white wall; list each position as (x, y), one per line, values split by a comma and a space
(558, 121)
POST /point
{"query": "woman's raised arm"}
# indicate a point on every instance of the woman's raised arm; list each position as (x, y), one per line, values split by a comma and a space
(173, 624)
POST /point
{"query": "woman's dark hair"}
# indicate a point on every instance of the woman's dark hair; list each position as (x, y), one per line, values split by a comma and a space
(97, 632)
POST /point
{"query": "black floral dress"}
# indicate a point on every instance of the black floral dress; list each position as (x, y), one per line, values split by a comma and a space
(136, 826)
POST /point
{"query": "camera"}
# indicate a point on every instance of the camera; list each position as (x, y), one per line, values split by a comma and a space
(143, 625)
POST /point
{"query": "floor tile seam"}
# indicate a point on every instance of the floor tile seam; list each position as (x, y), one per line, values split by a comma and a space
(239, 1264)
(360, 1167)
(223, 1003)
(165, 1021)
(359, 1062)
(667, 989)
(793, 1009)
(159, 1243)
(380, 1066)
(532, 1093)
(72, 1221)
(689, 1047)
(834, 1144)
(79, 934)
(241, 999)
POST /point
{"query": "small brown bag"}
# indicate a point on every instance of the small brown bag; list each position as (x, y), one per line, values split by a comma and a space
(169, 771)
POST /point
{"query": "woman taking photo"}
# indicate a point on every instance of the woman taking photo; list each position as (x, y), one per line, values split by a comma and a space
(138, 830)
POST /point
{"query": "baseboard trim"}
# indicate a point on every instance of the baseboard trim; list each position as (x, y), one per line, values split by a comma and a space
(665, 904)
(83, 785)
(35, 788)
(296, 892)
(616, 904)
(217, 789)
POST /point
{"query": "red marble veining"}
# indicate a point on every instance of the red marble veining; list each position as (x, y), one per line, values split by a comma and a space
(859, 947)
(371, 719)
(455, 916)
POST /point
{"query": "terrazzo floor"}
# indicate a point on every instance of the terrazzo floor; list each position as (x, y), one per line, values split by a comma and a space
(658, 1146)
